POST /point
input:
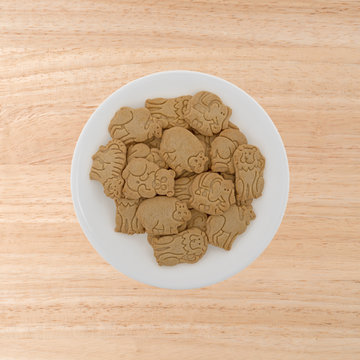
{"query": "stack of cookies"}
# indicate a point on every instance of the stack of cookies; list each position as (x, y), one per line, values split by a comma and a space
(180, 171)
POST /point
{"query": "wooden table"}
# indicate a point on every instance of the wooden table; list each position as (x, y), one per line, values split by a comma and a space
(59, 299)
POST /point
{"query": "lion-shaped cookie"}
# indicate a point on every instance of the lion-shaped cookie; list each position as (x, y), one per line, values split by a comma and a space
(145, 179)
(222, 150)
(223, 229)
(134, 125)
(169, 112)
(108, 164)
(126, 219)
(189, 246)
(141, 150)
(182, 151)
(162, 215)
(211, 193)
(207, 114)
(249, 169)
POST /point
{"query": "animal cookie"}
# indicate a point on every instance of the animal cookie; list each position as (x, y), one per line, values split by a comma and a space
(223, 229)
(141, 150)
(189, 246)
(249, 168)
(126, 219)
(211, 193)
(206, 142)
(162, 215)
(108, 164)
(198, 220)
(207, 114)
(145, 179)
(181, 150)
(134, 125)
(182, 189)
(222, 150)
(169, 112)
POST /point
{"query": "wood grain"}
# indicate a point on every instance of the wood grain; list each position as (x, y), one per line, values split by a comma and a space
(59, 60)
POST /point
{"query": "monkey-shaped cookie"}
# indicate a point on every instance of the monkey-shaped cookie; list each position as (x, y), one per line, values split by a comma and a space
(169, 112)
(108, 164)
(126, 219)
(207, 114)
(249, 168)
(146, 179)
(223, 229)
(181, 150)
(141, 150)
(222, 150)
(134, 125)
(186, 247)
(211, 193)
(162, 215)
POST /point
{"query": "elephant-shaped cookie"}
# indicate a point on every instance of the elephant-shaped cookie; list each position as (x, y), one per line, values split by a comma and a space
(134, 125)
(145, 179)
(126, 219)
(162, 215)
(108, 164)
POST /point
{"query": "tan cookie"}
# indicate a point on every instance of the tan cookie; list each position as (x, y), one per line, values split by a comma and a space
(222, 150)
(142, 150)
(211, 193)
(134, 125)
(233, 126)
(227, 176)
(108, 164)
(249, 168)
(126, 219)
(207, 114)
(153, 143)
(162, 215)
(223, 229)
(206, 142)
(169, 112)
(188, 246)
(198, 220)
(145, 179)
(181, 150)
(182, 189)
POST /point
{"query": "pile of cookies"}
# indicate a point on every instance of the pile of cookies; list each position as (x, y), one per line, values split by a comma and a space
(179, 170)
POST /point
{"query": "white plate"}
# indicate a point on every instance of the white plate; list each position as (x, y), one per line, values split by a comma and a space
(132, 255)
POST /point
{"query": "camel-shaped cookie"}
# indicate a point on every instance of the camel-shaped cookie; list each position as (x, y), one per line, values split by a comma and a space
(223, 229)
(189, 246)
(126, 219)
(207, 114)
(134, 125)
(249, 169)
(182, 151)
(162, 215)
(145, 179)
(141, 150)
(222, 150)
(108, 164)
(169, 112)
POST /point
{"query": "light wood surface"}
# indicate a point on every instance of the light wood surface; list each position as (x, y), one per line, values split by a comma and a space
(59, 60)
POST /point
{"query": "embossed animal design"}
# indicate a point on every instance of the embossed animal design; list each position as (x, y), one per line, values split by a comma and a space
(182, 151)
(223, 229)
(142, 150)
(182, 189)
(206, 143)
(207, 114)
(169, 112)
(198, 220)
(211, 193)
(249, 168)
(162, 215)
(222, 150)
(108, 164)
(134, 125)
(126, 219)
(146, 179)
(189, 246)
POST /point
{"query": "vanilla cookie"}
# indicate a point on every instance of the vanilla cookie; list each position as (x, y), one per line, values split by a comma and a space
(141, 150)
(182, 151)
(182, 189)
(223, 229)
(134, 125)
(249, 168)
(222, 150)
(198, 220)
(145, 179)
(108, 164)
(126, 219)
(162, 215)
(207, 114)
(189, 246)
